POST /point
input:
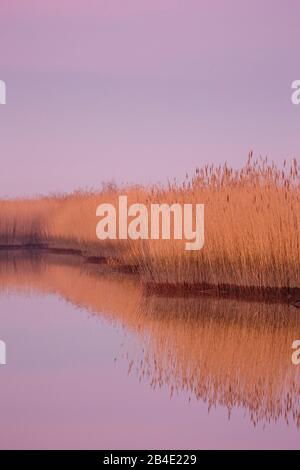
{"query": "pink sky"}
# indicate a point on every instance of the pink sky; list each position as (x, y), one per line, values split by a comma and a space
(142, 91)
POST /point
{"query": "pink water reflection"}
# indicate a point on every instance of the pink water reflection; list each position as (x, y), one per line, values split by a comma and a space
(66, 385)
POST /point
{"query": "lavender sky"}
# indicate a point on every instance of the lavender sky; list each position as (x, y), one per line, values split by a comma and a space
(143, 90)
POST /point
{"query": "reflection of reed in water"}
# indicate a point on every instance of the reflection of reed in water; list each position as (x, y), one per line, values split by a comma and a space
(84, 285)
(225, 352)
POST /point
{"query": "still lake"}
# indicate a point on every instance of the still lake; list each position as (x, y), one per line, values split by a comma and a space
(94, 363)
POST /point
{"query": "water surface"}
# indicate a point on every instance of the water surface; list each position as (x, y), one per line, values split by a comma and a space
(94, 363)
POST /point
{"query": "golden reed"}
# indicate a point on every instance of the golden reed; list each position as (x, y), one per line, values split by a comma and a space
(252, 228)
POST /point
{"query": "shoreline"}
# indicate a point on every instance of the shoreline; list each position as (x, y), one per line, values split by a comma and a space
(290, 295)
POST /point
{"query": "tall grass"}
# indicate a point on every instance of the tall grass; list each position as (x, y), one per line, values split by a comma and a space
(252, 222)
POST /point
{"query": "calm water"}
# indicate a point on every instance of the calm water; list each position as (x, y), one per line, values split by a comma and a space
(93, 363)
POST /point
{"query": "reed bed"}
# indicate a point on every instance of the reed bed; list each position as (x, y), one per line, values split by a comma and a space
(252, 221)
